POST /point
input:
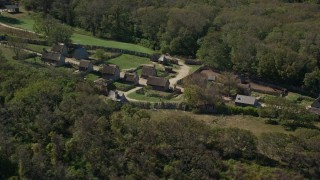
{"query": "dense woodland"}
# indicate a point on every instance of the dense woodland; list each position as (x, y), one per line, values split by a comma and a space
(53, 125)
(277, 41)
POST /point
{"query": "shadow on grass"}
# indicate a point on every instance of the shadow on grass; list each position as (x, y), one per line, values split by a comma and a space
(10, 20)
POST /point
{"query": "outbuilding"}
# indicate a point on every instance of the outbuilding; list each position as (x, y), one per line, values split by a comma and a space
(85, 66)
(242, 100)
(158, 83)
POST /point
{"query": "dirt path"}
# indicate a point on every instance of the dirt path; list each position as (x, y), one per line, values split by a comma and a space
(76, 62)
(182, 73)
(16, 28)
(132, 91)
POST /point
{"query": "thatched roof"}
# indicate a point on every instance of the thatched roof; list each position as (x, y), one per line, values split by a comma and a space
(58, 47)
(84, 63)
(109, 69)
(130, 77)
(51, 56)
(157, 81)
(148, 71)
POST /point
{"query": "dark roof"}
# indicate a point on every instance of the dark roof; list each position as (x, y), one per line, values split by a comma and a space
(245, 99)
(157, 81)
(11, 6)
(162, 58)
(51, 56)
(58, 47)
(84, 63)
(148, 71)
(109, 69)
(130, 77)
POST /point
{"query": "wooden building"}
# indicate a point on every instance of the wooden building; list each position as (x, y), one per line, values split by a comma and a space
(158, 83)
(53, 58)
(148, 71)
(85, 66)
(110, 72)
(131, 78)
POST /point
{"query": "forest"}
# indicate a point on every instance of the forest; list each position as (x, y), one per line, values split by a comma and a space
(275, 41)
(53, 125)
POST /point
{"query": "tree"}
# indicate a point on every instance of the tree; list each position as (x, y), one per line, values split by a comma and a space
(214, 51)
(52, 29)
(312, 81)
(229, 83)
(18, 47)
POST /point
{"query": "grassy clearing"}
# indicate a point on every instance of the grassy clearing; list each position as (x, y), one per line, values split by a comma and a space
(299, 99)
(91, 77)
(193, 68)
(24, 20)
(7, 52)
(37, 48)
(146, 98)
(90, 40)
(123, 86)
(128, 61)
(254, 124)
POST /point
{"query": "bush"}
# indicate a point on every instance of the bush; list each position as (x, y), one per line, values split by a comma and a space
(271, 121)
(123, 87)
(244, 110)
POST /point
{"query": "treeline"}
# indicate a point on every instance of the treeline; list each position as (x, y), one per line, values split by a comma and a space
(277, 40)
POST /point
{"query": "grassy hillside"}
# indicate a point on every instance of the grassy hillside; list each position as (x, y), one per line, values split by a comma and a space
(24, 21)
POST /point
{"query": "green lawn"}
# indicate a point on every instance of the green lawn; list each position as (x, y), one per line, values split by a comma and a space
(92, 77)
(37, 48)
(7, 52)
(126, 61)
(24, 21)
(299, 99)
(90, 40)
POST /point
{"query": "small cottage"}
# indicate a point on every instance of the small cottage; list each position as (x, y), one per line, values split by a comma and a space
(53, 58)
(80, 53)
(244, 101)
(163, 59)
(102, 85)
(131, 78)
(85, 66)
(110, 72)
(11, 9)
(60, 48)
(158, 83)
(148, 71)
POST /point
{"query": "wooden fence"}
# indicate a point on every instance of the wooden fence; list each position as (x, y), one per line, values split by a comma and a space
(161, 105)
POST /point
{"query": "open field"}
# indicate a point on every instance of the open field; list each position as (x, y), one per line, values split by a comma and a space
(24, 21)
(254, 124)
(126, 61)
(90, 40)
